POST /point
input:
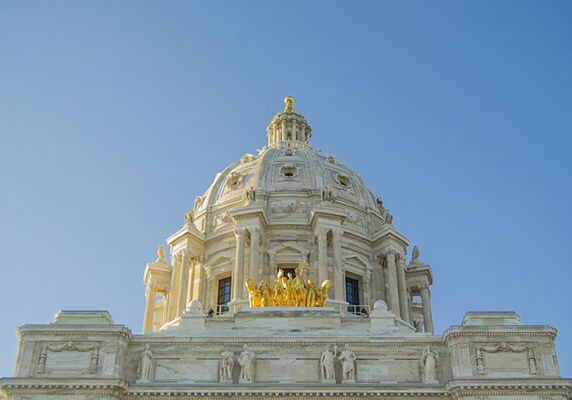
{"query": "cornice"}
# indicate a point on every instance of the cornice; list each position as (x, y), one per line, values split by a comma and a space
(500, 331)
(74, 330)
(387, 232)
(63, 386)
(272, 341)
(514, 386)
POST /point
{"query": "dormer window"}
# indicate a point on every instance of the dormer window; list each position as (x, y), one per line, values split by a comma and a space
(234, 180)
(289, 171)
(344, 180)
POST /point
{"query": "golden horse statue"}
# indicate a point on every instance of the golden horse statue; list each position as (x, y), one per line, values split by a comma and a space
(288, 291)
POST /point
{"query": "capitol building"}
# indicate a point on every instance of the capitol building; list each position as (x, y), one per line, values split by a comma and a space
(287, 279)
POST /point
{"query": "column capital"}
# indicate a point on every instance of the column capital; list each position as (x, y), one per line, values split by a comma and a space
(239, 232)
(389, 251)
(337, 231)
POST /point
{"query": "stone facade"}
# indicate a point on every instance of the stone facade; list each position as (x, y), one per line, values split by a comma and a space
(374, 338)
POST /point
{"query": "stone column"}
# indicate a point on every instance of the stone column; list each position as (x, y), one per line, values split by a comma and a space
(368, 287)
(392, 285)
(339, 283)
(427, 316)
(199, 283)
(254, 241)
(237, 276)
(150, 294)
(192, 278)
(403, 303)
(322, 256)
(272, 273)
(283, 129)
(174, 286)
(184, 281)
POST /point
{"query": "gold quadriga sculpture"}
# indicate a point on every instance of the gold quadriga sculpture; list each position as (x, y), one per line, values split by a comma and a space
(288, 291)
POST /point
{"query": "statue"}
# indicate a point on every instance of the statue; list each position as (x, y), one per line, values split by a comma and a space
(347, 357)
(388, 217)
(266, 294)
(415, 255)
(254, 294)
(226, 367)
(322, 293)
(145, 369)
(288, 290)
(198, 202)
(161, 254)
(251, 194)
(429, 362)
(327, 364)
(189, 216)
(311, 294)
(246, 362)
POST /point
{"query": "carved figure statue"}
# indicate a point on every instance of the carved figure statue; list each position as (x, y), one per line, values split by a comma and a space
(251, 194)
(226, 366)
(246, 362)
(288, 291)
(189, 216)
(311, 294)
(198, 202)
(327, 364)
(322, 293)
(429, 362)
(347, 357)
(161, 253)
(254, 294)
(415, 255)
(388, 217)
(145, 369)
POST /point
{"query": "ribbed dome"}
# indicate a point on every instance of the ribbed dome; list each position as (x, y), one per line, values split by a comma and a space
(288, 169)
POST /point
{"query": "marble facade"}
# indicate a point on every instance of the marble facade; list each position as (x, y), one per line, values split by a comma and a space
(374, 338)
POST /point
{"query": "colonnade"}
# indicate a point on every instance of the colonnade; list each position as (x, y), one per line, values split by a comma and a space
(188, 280)
(397, 294)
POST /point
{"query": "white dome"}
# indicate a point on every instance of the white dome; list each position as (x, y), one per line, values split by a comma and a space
(287, 204)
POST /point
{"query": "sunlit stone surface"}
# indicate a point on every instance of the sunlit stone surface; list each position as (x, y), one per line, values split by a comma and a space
(374, 338)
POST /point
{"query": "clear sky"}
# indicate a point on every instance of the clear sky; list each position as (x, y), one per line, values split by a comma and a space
(115, 115)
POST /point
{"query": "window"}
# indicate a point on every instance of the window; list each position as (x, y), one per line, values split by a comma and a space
(289, 271)
(289, 171)
(223, 295)
(343, 180)
(352, 295)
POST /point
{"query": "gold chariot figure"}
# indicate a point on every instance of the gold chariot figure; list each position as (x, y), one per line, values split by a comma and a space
(288, 291)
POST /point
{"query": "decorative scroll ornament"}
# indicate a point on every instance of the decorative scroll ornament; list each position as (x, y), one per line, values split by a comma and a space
(288, 291)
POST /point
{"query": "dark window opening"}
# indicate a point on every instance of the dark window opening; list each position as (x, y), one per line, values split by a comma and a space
(352, 295)
(223, 295)
(289, 271)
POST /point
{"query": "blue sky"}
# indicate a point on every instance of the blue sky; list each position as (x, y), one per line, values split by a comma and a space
(456, 112)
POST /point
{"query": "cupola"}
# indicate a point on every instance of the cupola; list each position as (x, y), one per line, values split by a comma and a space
(288, 127)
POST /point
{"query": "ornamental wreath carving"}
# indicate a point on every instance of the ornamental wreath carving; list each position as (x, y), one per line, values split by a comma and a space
(505, 347)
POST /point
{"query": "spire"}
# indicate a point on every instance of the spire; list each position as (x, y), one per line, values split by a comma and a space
(289, 127)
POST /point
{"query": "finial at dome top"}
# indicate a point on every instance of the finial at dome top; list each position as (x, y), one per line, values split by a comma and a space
(288, 127)
(289, 100)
